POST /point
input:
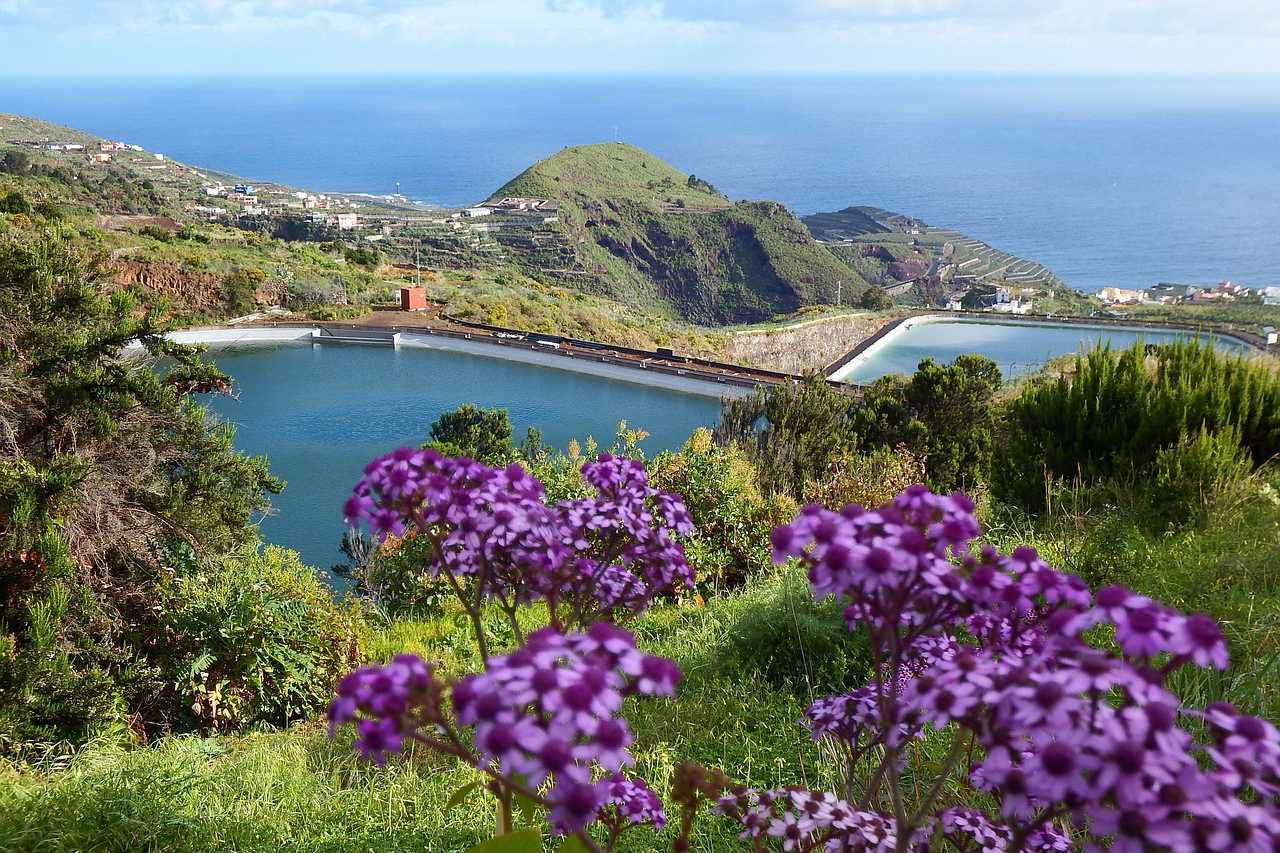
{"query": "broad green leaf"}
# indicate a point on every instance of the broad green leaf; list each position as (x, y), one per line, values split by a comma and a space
(456, 798)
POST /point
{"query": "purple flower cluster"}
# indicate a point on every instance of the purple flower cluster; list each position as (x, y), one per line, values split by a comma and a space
(546, 714)
(970, 829)
(549, 711)
(387, 704)
(633, 801)
(611, 552)
(991, 647)
(804, 820)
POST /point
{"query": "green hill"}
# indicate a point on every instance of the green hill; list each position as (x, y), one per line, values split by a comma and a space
(637, 229)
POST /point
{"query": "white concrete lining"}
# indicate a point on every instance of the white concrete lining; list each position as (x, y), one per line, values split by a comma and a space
(585, 364)
(840, 374)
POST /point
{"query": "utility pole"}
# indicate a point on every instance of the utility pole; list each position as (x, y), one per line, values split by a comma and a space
(839, 294)
(417, 266)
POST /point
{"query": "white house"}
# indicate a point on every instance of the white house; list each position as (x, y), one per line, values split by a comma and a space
(1120, 294)
(347, 221)
(1270, 295)
(1272, 336)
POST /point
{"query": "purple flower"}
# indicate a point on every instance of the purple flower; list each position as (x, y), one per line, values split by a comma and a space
(634, 801)
(614, 552)
(574, 804)
(1199, 638)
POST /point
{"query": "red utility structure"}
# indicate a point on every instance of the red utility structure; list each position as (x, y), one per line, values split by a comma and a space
(413, 299)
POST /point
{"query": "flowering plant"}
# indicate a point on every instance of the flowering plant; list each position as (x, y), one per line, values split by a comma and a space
(495, 540)
(1064, 742)
(543, 722)
(1063, 728)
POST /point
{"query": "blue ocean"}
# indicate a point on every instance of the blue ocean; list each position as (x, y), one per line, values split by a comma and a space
(1107, 180)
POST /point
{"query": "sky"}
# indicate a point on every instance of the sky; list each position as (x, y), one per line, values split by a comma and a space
(183, 37)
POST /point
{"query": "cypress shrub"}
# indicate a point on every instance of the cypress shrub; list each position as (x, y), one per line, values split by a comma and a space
(1117, 410)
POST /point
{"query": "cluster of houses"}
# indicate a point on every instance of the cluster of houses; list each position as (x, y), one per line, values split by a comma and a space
(1195, 294)
(535, 209)
(246, 200)
(105, 148)
(998, 300)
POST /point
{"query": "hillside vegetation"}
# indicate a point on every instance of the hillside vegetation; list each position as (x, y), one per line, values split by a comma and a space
(644, 232)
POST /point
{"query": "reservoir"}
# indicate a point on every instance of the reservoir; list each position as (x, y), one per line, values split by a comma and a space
(320, 412)
(1018, 347)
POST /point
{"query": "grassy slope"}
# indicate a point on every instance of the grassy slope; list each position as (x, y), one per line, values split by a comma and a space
(743, 693)
(712, 261)
(102, 207)
(752, 661)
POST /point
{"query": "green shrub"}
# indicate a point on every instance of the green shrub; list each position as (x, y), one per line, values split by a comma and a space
(1115, 412)
(1191, 475)
(14, 202)
(482, 434)
(240, 288)
(308, 294)
(869, 479)
(944, 414)
(790, 432)
(790, 641)
(875, 299)
(731, 517)
(117, 475)
(339, 312)
(254, 638)
(155, 232)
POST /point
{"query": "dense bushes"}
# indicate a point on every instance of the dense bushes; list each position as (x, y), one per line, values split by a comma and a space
(798, 434)
(732, 519)
(790, 432)
(944, 414)
(254, 638)
(14, 202)
(239, 289)
(1117, 413)
(482, 434)
(115, 491)
(339, 312)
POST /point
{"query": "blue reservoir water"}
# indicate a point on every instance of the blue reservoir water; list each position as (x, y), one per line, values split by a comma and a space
(1107, 180)
(320, 412)
(1017, 348)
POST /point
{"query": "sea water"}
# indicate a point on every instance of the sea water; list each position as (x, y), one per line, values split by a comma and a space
(1106, 180)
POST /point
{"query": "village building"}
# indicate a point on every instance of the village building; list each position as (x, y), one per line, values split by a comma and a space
(1121, 295)
(518, 203)
(1270, 295)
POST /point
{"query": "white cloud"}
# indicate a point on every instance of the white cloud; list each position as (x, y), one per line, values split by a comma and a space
(641, 35)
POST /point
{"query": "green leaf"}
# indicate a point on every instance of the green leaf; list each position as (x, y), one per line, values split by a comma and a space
(456, 798)
(523, 841)
(528, 808)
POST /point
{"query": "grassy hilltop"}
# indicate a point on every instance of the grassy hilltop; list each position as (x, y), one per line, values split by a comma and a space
(642, 231)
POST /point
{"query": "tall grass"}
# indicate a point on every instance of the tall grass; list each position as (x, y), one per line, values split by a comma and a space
(752, 662)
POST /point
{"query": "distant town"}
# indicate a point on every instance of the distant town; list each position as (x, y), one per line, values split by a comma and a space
(908, 258)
